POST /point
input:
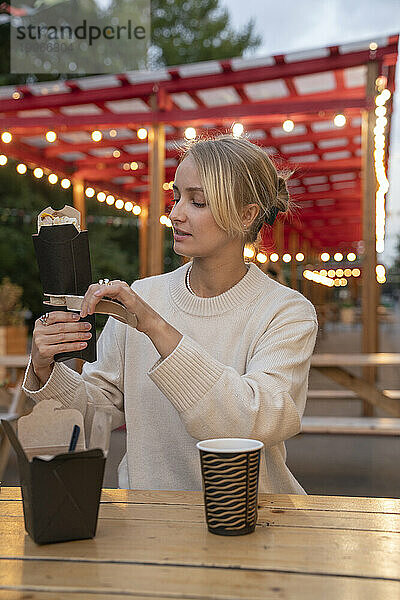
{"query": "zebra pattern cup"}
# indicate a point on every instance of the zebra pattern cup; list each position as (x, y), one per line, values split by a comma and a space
(230, 468)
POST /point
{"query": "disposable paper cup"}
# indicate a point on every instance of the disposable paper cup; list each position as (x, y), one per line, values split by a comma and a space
(230, 468)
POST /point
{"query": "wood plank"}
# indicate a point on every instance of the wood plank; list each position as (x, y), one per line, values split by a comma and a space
(365, 390)
(351, 425)
(336, 552)
(355, 360)
(46, 581)
(290, 501)
(267, 516)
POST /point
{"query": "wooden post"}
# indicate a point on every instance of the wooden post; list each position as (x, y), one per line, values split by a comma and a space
(155, 244)
(143, 232)
(293, 248)
(78, 194)
(369, 294)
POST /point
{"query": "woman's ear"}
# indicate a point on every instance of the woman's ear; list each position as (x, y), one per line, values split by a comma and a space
(249, 214)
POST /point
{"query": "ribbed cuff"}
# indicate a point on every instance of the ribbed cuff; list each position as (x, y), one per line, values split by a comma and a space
(61, 385)
(187, 374)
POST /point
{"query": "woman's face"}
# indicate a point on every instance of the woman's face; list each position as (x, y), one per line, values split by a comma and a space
(192, 215)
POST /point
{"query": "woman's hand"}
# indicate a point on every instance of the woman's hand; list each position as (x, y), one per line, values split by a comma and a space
(164, 337)
(147, 318)
(63, 333)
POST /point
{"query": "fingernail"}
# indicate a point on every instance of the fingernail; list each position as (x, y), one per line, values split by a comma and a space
(75, 317)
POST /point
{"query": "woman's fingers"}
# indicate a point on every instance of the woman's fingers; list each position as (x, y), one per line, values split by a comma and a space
(116, 289)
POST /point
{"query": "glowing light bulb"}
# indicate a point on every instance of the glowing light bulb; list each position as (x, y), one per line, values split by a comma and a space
(274, 257)
(288, 125)
(248, 252)
(300, 257)
(325, 256)
(338, 256)
(97, 136)
(21, 168)
(237, 129)
(128, 206)
(339, 120)
(6, 137)
(110, 199)
(38, 172)
(101, 196)
(51, 136)
(89, 192)
(119, 204)
(3, 160)
(136, 209)
(286, 258)
(142, 133)
(163, 219)
(52, 178)
(65, 183)
(190, 133)
(351, 257)
(261, 257)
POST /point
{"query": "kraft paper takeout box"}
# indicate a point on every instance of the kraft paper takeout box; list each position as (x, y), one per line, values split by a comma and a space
(62, 253)
(60, 489)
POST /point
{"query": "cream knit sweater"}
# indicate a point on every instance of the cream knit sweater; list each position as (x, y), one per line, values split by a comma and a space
(240, 370)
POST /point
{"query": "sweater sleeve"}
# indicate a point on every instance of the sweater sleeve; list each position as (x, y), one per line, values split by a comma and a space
(99, 386)
(266, 403)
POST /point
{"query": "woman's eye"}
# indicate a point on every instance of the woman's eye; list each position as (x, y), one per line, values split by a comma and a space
(198, 204)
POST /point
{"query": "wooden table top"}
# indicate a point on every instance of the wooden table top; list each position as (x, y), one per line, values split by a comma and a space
(156, 545)
(359, 360)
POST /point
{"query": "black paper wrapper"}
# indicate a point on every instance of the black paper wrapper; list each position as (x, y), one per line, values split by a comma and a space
(63, 257)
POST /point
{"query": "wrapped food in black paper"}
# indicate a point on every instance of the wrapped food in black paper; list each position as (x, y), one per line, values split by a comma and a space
(62, 252)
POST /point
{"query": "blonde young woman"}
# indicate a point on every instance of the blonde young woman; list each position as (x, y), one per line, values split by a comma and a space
(220, 349)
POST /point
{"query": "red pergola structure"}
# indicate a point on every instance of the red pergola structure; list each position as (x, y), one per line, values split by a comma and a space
(334, 184)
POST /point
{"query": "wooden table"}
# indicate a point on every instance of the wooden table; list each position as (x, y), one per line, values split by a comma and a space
(156, 545)
(334, 367)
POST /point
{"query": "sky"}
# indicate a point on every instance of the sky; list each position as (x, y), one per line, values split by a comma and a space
(291, 25)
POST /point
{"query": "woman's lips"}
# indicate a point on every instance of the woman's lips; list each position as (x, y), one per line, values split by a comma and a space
(180, 236)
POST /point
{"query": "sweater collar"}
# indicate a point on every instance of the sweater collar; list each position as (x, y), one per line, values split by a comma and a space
(248, 288)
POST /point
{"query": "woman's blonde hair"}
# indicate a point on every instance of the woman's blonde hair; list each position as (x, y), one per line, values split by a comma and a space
(234, 172)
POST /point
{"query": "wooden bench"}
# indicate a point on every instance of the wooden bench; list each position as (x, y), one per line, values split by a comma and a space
(352, 425)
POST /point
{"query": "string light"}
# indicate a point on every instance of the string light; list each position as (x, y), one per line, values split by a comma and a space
(351, 257)
(21, 168)
(165, 186)
(101, 196)
(52, 178)
(38, 172)
(237, 129)
(339, 272)
(317, 278)
(116, 154)
(380, 273)
(168, 223)
(96, 136)
(339, 120)
(274, 257)
(300, 257)
(51, 136)
(163, 219)
(261, 257)
(128, 206)
(331, 273)
(133, 166)
(338, 256)
(356, 272)
(347, 272)
(119, 204)
(3, 160)
(142, 133)
(190, 133)
(110, 199)
(248, 252)
(286, 258)
(380, 169)
(89, 192)
(113, 133)
(6, 137)
(136, 209)
(325, 256)
(65, 183)
(288, 125)
(16, 95)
